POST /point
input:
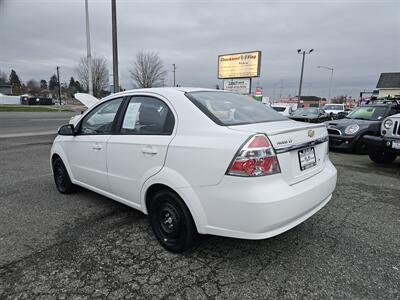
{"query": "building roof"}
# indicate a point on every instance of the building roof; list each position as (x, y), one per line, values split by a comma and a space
(389, 81)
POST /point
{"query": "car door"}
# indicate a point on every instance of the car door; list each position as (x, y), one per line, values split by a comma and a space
(139, 150)
(87, 150)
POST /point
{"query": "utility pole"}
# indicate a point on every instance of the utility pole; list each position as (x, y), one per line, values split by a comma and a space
(301, 74)
(89, 55)
(59, 84)
(115, 46)
(330, 82)
(174, 71)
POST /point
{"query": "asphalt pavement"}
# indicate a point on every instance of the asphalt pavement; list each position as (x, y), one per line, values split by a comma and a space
(32, 123)
(84, 245)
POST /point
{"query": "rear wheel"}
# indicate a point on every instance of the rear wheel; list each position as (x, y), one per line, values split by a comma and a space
(380, 156)
(172, 222)
(61, 177)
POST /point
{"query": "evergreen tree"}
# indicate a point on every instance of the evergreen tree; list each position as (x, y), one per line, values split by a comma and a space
(43, 84)
(53, 83)
(15, 83)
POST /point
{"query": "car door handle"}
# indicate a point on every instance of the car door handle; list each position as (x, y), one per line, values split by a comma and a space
(96, 147)
(149, 150)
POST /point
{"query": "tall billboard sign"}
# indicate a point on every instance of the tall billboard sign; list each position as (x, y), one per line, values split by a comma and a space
(239, 65)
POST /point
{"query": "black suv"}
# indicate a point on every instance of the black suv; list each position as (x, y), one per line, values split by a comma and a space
(347, 133)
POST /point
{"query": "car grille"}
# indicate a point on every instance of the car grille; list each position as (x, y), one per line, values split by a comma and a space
(396, 128)
(334, 131)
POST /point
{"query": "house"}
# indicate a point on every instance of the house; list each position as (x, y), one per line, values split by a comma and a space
(6, 89)
(389, 84)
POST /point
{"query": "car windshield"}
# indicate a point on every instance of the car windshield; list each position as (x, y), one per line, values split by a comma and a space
(278, 108)
(372, 113)
(333, 107)
(305, 111)
(226, 108)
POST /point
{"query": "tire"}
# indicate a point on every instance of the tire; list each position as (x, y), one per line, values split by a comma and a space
(172, 222)
(380, 156)
(360, 147)
(61, 177)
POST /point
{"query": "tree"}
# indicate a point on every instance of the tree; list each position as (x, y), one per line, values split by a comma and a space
(148, 70)
(15, 83)
(3, 77)
(43, 84)
(53, 83)
(99, 74)
(33, 87)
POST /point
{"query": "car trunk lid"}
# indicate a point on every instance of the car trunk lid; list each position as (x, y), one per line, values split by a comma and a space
(301, 147)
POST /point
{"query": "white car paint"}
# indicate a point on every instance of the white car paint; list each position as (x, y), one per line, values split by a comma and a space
(193, 161)
(337, 108)
(284, 110)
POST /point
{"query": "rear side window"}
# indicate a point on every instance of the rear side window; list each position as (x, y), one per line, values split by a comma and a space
(148, 116)
(226, 108)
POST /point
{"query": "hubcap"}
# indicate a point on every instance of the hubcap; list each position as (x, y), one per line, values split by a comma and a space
(169, 220)
(59, 174)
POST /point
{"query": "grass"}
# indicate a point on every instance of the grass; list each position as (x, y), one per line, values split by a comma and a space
(30, 108)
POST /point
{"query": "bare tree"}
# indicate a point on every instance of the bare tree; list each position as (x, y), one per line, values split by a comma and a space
(99, 73)
(148, 70)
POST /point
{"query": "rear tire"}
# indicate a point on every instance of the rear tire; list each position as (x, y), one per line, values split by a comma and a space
(172, 222)
(61, 177)
(381, 156)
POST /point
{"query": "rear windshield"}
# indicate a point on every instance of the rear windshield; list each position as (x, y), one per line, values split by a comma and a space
(278, 108)
(333, 107)
(226, 108)
(305, 111)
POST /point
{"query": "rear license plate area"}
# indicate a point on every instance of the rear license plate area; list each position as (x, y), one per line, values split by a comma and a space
(307, 158)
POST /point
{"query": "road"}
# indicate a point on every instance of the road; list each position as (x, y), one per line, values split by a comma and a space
(84, 245)
(31, 123)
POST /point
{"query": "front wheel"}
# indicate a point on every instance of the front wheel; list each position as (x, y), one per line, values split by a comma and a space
(61, 177)
(172, 222)
(380, 156)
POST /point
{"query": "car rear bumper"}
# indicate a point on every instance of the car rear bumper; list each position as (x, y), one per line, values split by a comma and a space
(380, 142)
(258, 208)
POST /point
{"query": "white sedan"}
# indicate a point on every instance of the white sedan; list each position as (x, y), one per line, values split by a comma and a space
(197, 161)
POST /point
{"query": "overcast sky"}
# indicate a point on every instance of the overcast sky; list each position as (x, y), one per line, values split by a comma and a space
(359, 39)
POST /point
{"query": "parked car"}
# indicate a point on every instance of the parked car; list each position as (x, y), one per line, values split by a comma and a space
(284, 110)
(334, 109)
(310, 115)
(31, 100)
(347, 133)
(385, 148)
(197, 161)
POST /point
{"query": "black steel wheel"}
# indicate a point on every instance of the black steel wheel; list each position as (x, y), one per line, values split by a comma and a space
(61, 177)
(380, 156)
(172, 222)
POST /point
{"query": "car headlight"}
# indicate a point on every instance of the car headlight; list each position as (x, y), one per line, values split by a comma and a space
(388, 123)
(351, 129)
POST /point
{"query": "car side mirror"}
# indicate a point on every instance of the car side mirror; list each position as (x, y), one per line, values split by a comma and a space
(67, 130)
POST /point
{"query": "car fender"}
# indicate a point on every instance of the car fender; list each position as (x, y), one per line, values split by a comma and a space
(178, 183)
(57, 149)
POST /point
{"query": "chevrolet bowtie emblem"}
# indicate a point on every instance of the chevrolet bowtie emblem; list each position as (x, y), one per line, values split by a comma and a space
(311, 133)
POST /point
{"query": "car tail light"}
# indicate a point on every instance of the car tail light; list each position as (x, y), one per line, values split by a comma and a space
(256, 158)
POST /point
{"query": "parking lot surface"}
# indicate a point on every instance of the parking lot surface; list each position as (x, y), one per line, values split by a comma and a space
(85, 245)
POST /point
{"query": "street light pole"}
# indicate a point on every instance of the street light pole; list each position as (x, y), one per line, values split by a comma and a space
(59, 84)
(174, 71)
(301, 74)
(89, 55)
(330, 81)
(115, 46)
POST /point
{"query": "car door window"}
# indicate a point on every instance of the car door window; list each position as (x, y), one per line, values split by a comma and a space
(101, 118)
(147, 115)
